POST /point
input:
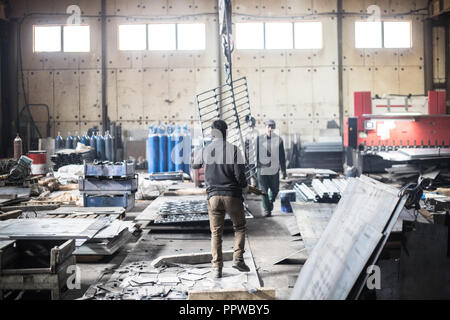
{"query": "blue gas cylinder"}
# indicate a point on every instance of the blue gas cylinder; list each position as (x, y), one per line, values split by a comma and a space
(93, 145)
(69, 139)
(75, 140)
(170, 145)
(162, 161)
(59, 142)
(152, 150)
(187, 145)
(108, 146)
(100, 148)
(178, 149)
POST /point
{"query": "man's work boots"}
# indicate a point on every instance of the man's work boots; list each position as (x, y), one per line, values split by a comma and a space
(217, 273)
(241, 266)
(267, 214)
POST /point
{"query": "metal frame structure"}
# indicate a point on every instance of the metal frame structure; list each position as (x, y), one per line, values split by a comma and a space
(230, 103)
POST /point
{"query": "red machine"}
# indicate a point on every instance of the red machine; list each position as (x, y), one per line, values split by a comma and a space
(397, 127)
(393, 122)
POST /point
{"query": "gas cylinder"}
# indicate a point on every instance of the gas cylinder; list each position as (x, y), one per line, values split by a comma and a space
(187, 145)
(152, 149)
(170, 144)
(69, 139)
(17, 147)
(178, 149)
(75, 140)
(93, 145)
(100, 148)
(162, 161)
(108, 147)
(59, 142)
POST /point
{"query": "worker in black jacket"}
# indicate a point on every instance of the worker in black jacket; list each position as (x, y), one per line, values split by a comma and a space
(270, 159)
(225, 183)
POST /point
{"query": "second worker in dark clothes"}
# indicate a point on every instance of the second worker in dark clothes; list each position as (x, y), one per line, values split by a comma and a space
(225, 183)
(271, 158)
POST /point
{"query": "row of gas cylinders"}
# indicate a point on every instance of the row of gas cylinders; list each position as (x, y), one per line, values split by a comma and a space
(102, 146)
(168, 149)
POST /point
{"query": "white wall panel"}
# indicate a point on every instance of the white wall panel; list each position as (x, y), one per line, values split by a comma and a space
(411, 80)
(247, 6)
(182, 92)
(156, 94)
(40, 91)
(298, 7)
(129, 94)
(300, 92)
(90, 95)
(325, 6)
(386, 80)
(67, 95)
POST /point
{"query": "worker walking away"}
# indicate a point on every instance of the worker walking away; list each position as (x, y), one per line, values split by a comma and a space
(270, 159)
(225, 183)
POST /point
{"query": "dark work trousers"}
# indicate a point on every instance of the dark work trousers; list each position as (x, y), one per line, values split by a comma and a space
(217, 207)
(270, 185)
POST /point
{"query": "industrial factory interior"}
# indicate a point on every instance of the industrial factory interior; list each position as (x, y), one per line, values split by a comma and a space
(192, 151)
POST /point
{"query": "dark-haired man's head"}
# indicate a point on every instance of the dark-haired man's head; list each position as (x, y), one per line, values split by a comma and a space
(219, 129)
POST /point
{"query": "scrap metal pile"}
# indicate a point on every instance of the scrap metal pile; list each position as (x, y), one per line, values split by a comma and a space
(142, 281)
(326, 191)
(186, 211)
(100, 236)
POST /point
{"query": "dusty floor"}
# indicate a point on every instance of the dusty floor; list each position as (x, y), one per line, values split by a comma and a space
(269, 241)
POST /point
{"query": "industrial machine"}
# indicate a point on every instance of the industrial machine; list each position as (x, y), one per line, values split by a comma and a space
(395, 129)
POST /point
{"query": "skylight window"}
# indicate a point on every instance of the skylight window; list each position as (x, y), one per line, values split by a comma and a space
(162, 37)
(308, 35)
(76, 39)
(279, 35)
(250, 36)
(132, 37)
(191, 36)
(397, 34)
(47, 38)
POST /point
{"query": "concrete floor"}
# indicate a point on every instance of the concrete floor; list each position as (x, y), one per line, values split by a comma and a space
(269, 241)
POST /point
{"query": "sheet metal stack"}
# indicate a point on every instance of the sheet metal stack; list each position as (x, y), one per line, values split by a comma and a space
(323, 155)
(107, 184)
(326, 191)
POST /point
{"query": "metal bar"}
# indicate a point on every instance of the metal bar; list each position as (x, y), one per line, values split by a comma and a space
(340, 67)
(104, 77)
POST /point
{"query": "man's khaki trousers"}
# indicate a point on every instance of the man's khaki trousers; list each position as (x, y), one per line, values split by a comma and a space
(217, 207)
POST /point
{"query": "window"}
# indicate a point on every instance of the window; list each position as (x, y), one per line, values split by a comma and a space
(191, 36)
(386, 34)
(162, 37)
(368, 34)
(279, 35)
(76, 39)
(47, 38)
(132, 37)
(249, 36)
(397, 34)
(308, 35)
